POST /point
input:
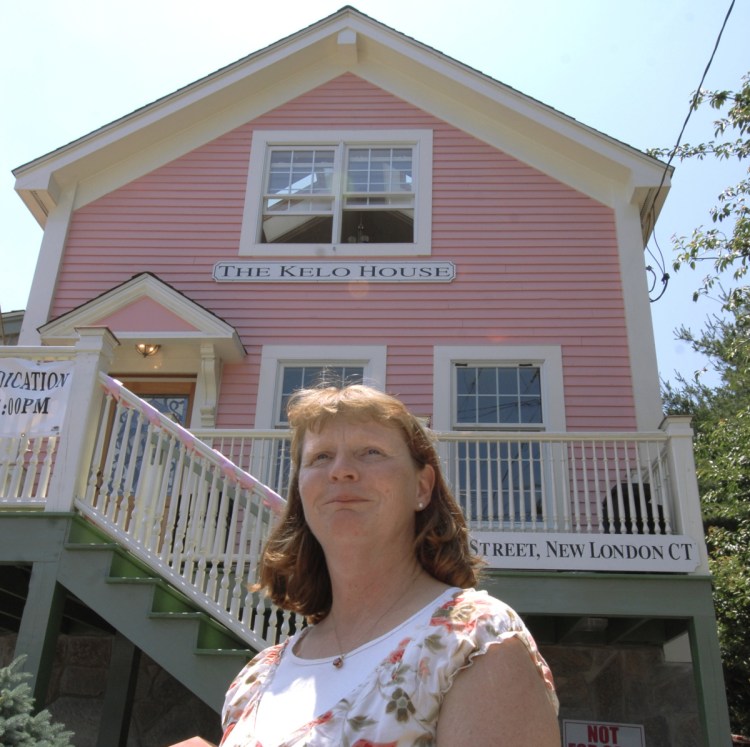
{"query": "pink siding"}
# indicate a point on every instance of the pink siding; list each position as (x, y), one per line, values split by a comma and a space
(536, 262)
(145, 315)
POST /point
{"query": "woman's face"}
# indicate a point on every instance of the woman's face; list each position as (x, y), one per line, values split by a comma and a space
(358, 482)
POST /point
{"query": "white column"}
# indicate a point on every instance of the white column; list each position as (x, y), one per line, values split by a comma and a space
(94, 352)
(688, 517)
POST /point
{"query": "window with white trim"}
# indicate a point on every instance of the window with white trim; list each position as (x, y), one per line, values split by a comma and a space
(491, 396)
(339, 193)
(500, 481)
(295, 377)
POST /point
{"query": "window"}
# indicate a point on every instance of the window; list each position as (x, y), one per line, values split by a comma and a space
(301, 377)
(498, 387)
(501, 479)
(497, 396)
(343, 193)
(283, 370)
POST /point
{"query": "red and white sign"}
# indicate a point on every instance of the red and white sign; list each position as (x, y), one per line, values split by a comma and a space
(601, 734)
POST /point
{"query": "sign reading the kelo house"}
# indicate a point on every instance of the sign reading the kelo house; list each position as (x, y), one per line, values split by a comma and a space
(655, 553)
(600, 734)
(334, 272)
(33, 396)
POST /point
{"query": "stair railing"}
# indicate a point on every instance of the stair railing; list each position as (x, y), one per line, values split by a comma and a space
(186, 511)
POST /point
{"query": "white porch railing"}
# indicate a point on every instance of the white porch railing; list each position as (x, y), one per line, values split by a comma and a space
(186, 510)
(197, 506)
(571, 482)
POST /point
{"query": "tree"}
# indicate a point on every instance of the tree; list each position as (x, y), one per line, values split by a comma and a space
(18, 727)
(721, 415)
(721, 421)
(725, 246)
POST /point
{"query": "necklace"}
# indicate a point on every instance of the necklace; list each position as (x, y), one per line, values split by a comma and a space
(338, 662)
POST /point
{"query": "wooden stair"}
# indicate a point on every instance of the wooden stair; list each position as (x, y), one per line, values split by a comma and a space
(153, 615)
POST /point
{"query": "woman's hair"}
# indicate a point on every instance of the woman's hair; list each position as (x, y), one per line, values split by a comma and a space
(293, 569)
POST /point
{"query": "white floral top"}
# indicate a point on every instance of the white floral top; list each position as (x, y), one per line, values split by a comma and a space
(398, 706)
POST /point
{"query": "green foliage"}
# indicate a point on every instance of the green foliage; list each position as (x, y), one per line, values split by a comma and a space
(18, 726)
(721, 420)
(721, 416)
(725, 246)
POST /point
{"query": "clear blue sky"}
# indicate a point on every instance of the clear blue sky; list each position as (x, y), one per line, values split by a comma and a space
(624, 67)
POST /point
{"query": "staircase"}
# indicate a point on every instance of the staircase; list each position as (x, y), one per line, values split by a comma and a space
(157, 618)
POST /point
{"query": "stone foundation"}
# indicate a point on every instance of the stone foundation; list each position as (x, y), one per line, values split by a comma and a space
(617, 685)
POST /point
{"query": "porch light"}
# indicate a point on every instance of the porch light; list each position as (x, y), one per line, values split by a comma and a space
(147, 349)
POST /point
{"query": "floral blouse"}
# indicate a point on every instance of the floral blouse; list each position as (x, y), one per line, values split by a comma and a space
(399, 704)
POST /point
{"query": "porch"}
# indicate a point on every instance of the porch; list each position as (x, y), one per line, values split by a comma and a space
(196, 506)
(155, 527)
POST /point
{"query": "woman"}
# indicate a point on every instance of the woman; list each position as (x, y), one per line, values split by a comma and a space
(373, 550)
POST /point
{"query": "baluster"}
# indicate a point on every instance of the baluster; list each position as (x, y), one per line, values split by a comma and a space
(46, 472)
(31, 466)
(584, 477)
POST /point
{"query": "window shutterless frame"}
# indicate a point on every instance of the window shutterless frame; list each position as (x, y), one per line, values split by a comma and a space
(338, 194)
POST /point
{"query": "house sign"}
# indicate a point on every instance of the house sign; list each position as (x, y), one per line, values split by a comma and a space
(565, 551)
(333, 272)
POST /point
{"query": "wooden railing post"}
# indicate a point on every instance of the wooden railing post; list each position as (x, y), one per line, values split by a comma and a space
(688, 517)
(93, 353)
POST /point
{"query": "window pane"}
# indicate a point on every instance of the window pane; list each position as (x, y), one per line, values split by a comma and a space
(498, 395)
(507, 380)
(377, 226)
(507, 410)
(531, 410)
(487, 409)
(379, 170)
(486, 380)
(530, 381)
(300, 172)
(297, 229)
(465, 379)
(466, 409)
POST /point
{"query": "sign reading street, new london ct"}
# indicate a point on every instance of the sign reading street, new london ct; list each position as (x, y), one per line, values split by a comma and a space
(655, 553)
(334, 272)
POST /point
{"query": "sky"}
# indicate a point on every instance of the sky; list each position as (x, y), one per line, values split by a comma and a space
(627, 68)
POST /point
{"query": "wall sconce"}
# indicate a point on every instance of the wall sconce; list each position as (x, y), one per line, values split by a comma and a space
(147, 349)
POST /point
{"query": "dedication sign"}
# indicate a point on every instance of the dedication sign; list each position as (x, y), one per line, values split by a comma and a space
(600, 734)
(33, 396)
(561, 551)
(334, 272)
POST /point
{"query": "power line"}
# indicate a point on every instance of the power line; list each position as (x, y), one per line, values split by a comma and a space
(693, 106)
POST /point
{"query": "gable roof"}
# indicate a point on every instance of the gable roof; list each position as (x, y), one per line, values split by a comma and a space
(146, 307)
(346, 41)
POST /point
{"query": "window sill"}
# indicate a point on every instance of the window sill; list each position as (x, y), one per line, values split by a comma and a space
(335, 251)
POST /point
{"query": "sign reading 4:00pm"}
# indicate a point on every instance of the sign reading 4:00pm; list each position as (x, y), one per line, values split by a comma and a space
(33, 396)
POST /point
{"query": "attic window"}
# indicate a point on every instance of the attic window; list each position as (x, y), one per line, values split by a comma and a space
(358, 193)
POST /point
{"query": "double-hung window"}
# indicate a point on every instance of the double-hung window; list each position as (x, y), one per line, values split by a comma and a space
(500, 480)
(362, 192)
(286, 369)
(498, 469)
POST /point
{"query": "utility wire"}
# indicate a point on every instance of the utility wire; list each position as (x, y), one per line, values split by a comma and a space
(693, 105)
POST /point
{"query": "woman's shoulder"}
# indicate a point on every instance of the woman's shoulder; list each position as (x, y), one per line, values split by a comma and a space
(471, 605)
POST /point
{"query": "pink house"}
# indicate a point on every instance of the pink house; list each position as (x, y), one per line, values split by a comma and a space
(352, 203)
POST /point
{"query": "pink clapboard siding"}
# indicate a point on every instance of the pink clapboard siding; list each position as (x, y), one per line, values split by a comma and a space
(537, 262)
